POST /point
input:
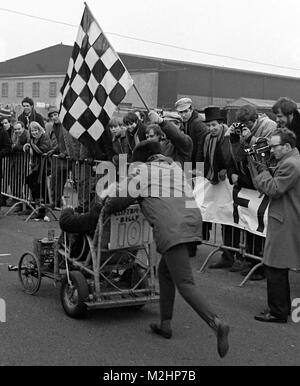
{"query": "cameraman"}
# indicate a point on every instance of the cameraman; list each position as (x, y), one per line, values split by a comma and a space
(282, 243)
(258, 125)
(244, 134)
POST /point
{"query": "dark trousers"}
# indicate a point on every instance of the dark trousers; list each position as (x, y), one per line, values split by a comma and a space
(174, 271)
(279, 295)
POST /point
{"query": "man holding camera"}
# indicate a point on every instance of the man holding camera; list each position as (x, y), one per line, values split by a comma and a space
(250, 127)
(282, 243)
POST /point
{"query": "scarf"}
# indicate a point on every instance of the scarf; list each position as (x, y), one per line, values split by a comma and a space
(210, 145)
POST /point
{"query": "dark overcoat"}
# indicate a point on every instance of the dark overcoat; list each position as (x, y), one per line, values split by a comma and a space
(282, 249)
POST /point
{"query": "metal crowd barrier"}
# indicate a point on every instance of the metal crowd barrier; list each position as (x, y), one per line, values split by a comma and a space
(228, 238)
(53, 182)
(48, 182)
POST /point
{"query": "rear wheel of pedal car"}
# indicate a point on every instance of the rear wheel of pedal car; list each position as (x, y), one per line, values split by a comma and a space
(73, 296)
(29, 271)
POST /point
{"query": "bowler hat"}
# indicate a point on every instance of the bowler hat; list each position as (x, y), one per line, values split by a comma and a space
(212, 114)
(183, 104)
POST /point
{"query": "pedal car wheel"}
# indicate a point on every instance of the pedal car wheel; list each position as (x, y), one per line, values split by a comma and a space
(73, 296)
(29, 271)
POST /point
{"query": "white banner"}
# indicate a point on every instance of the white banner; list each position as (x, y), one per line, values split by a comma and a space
(222, 204)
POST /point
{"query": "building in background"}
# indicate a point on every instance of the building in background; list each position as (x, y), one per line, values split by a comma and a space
(161, 82)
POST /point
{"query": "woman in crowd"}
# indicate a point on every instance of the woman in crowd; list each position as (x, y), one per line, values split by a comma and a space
(39, 147)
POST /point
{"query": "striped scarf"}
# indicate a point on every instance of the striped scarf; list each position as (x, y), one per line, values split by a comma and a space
(210, 145)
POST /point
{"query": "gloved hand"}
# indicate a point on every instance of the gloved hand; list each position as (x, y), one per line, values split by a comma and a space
(222, 175)
(155, 118)
(261, 167)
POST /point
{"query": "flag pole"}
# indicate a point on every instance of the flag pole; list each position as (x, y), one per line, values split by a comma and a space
(134, 86)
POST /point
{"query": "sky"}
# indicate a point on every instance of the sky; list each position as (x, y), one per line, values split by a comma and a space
(210, 31)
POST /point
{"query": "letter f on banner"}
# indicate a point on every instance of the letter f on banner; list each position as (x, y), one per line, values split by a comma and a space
(237, 201)
(2, 311)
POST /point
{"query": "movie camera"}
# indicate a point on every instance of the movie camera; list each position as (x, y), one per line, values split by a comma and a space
(260, 151)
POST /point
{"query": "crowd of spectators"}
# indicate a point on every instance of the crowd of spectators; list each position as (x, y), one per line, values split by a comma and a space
(183, 136)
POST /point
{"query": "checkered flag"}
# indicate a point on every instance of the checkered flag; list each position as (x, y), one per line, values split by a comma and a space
(95, 84)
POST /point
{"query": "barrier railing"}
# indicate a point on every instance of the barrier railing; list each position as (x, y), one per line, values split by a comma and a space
(48, 182)
(53, 182)
(228, 238)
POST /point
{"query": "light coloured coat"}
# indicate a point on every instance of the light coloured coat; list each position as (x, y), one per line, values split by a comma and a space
(282, 248)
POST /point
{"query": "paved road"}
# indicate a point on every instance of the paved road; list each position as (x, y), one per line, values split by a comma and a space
(37, 331)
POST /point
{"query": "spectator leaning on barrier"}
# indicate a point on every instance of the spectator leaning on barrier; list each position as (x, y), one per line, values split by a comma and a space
(55, 131)
(244, 134)
(216, 147)
(182, 227)
(282, 246)
(287, 115)
(20, 136)
(168, 130)
(39, 146)
(6, 124)
(193, 126)
(29, 114)
(5, 148)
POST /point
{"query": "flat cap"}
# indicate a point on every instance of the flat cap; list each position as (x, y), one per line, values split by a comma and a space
(183, 104)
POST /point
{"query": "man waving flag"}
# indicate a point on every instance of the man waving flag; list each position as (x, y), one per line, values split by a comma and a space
(95, 84)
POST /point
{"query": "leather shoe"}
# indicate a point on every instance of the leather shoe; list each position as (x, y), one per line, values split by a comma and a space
(165, 333)
(268, 318)
(222, 338)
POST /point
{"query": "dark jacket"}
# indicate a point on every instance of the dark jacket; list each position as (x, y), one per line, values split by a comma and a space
(197, 130)
(19, 141)
(221, 157)
(178, 146)
(238, 164)
(174, 217)
(5, 143)
(120, 146)
(56, 135)
(295, 127)
(101, 150)
(33, 117)
(136, 136)
(83, 223)
(282, 242)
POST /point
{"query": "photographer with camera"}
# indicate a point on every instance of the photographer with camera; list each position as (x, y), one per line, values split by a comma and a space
(282, 243)
(246, 135)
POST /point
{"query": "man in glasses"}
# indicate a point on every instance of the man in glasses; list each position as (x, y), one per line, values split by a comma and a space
(194, 127)
(282, 243)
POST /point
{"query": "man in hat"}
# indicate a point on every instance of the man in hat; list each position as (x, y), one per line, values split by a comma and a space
(29, 114)
(194, 127)
(168, 130)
